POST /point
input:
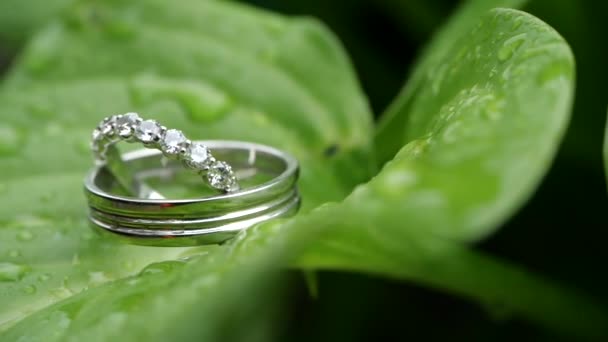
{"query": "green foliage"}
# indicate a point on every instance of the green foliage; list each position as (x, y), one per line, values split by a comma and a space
(490, 101)
(606, 151)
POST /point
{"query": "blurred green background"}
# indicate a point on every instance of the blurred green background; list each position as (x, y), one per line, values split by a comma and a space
(561, 231)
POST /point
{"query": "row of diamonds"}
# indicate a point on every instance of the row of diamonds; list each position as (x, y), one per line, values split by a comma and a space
(173, 143)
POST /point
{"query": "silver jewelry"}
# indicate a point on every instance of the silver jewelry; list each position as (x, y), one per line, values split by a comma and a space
(148, 218)
(173, 143)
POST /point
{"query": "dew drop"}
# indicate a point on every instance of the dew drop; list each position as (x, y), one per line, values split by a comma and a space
(551, 72)
(201, 102)
(128, 265)
(61, 292)
(161, 267)
(25, 235)
(452, 132)
(12, 272)
(14, 253)
(414, 148)
(44, 277)
(40, 111)
(87, 235)
(82, 145)
(120, 29)
(10, 138)
(53, 129)
(29, 289)
(47, 197)
(132, 282)
(75, 259)
(510, 46)
(517, 23)
(395, 182)
(97, 278)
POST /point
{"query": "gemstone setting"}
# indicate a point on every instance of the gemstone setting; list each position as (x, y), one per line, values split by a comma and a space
(148, 131)
(198, 156)
(173, 142)
(129, 127)
(220, 176)
(106, 127)
(126, 123)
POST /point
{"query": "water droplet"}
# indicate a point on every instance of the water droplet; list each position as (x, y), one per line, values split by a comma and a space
(436, 76)
(40, 111)
(201, 102)
(61, 292)
(82, 145)
(161, 267)
(12, 272)
(29, 289)
(75, 259)
(494, 109)
(132, 281)
(87, 235)
(128, 265)
(44, 277)
(10, 138)
(510, 46)
(120, 29)
(517, 22)
(414, 148)
(260, 118)
(196, 252)
(453, 132)
(97, 278)
(53, 129)
(397, 179)
(551, 72)
(47, 197)
(25, 235)
(14, 253)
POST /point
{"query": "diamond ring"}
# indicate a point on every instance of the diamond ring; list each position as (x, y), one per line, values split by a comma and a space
(143, 216)
(172, 143)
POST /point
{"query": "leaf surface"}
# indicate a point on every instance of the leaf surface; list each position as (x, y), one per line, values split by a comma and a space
(481, 131)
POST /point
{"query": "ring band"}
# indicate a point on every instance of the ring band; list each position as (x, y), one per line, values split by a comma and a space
(152, 220)
(173, 143)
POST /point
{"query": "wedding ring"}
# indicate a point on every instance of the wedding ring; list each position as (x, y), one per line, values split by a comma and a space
(141, 215)
(173, 143)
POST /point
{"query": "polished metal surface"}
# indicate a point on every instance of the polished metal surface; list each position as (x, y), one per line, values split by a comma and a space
(150, 219)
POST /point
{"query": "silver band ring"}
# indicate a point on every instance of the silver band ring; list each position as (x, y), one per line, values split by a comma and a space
(146, 217)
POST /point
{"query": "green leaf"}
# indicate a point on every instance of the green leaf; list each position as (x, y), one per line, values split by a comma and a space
(391, 131)
(253, 82)
(485, 126)
(486, 123)
(19, 19)
(606, 152)
(483, 131)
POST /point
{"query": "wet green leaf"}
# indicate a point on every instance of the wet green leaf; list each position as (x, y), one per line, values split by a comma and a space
(391, 130)
(480, 132)
(225, 71)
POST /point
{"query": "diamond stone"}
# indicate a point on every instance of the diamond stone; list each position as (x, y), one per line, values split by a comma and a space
(198, 156)
(96, 135)
(173, 141)
(148, 131)
(220, 176)
(106, 127)
(126, 123)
